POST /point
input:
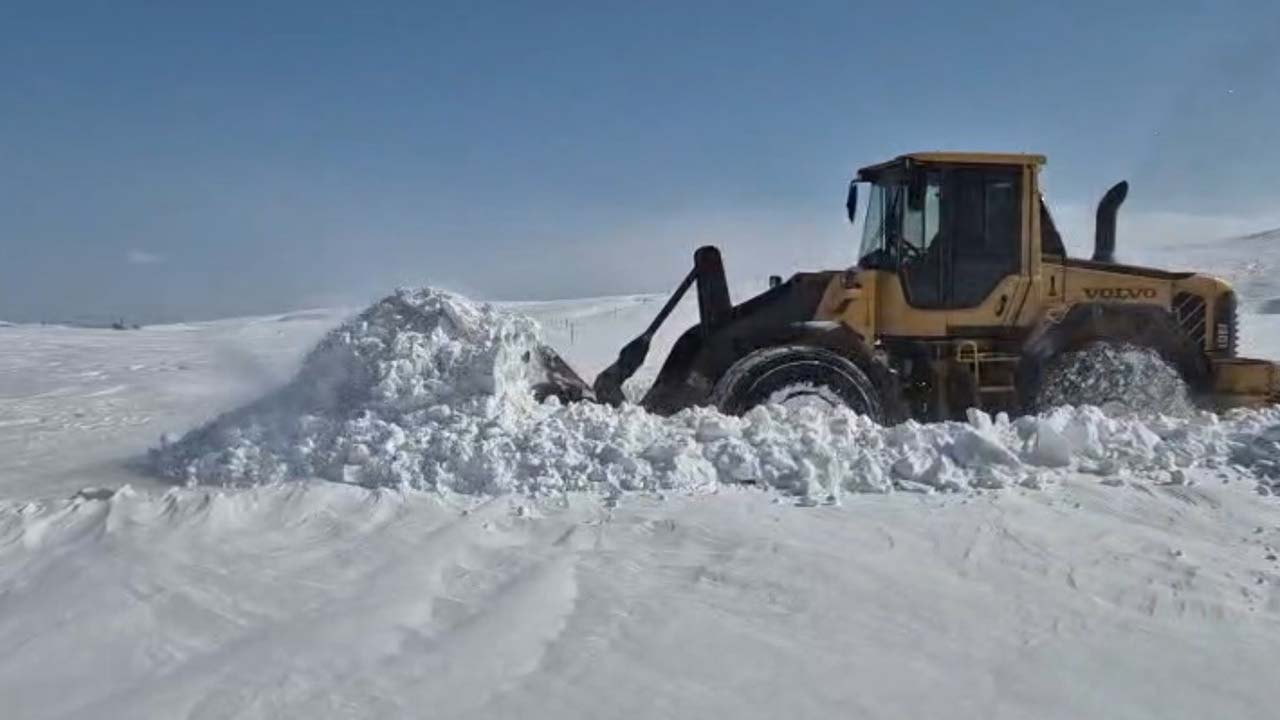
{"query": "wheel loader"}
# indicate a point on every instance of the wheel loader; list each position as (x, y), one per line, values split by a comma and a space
(962, 296)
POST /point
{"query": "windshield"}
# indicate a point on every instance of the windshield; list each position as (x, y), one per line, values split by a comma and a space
(873, 251)
(891, 220)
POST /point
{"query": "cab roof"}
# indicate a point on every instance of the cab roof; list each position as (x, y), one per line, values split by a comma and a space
(957, 158)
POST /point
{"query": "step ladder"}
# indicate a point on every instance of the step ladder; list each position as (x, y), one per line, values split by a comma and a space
(967, 353)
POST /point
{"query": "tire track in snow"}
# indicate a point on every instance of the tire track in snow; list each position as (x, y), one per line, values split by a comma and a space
(351, 627)
(370, 633)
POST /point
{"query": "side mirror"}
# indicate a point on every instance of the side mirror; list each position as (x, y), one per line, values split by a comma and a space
(851, 202)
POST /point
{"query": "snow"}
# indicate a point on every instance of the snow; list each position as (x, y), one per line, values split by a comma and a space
(329, 600)
(783, 563)
(803, 393)
(81, 406)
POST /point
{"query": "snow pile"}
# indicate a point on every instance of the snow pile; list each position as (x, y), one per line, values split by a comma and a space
(428, 390)
(410, 361)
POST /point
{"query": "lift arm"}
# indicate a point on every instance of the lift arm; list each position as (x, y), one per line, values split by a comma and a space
(713, 307)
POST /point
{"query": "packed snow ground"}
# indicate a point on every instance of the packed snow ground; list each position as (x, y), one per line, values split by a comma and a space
(329, 600)
(1123, 584)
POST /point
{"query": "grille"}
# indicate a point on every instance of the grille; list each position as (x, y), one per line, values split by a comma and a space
(1189, 309)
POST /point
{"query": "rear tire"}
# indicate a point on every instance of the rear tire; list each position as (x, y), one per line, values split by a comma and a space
(1118, 377)
(1149, 329)
(797, 375)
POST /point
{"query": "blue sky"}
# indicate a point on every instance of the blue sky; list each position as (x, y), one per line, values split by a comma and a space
(162, 162)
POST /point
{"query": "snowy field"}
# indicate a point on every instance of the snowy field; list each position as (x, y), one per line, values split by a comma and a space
(1118, 575)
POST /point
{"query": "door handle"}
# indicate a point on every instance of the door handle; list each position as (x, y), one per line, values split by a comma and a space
(1004, 301)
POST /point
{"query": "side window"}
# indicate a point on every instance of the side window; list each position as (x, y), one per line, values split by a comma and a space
(987, 223)
(1003, 214)
(924, 247)
(920, 226)
(961, 234)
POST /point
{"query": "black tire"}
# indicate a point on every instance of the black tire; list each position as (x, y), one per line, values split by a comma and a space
(759, 377)
(1146, 327)
(1118, 377)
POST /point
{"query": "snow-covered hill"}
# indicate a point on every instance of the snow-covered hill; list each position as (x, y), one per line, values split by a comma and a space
(1250, 262)
(1125, 591)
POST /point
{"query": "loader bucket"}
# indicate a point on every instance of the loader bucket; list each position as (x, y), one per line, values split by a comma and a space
(557, 379)
(713, 307)
(725, 332)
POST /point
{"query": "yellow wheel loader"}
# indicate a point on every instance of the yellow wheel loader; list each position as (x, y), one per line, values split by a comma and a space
(962, 296)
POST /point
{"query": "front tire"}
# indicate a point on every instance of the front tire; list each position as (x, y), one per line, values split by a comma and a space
(796, 376)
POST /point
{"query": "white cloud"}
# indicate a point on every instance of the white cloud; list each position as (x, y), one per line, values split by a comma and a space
(142, 257)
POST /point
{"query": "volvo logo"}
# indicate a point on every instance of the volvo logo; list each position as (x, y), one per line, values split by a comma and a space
(1120, 293)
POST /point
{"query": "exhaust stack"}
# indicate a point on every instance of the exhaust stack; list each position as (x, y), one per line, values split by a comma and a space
(1104, 228)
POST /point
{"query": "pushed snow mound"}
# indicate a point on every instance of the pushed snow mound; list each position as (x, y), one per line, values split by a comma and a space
(408, 360)
(428, 390)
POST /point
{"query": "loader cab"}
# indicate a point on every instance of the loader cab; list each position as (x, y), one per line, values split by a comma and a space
(951, 226)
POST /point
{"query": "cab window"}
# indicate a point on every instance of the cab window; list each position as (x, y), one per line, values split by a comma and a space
(952, 234)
